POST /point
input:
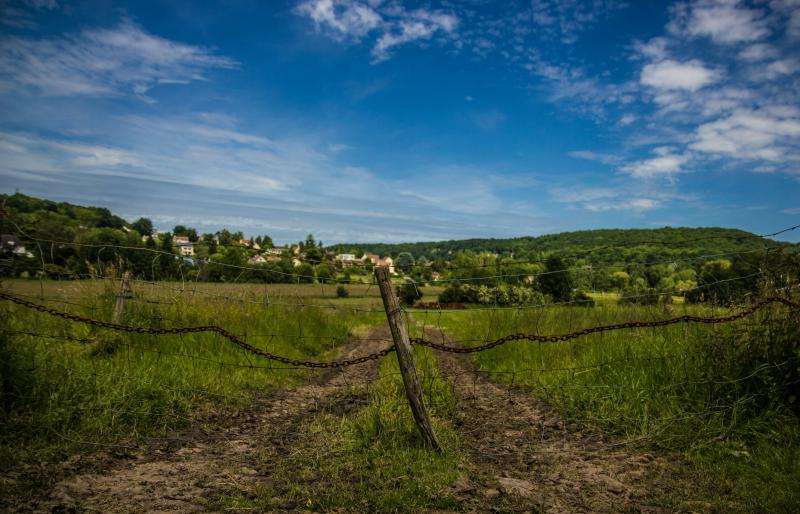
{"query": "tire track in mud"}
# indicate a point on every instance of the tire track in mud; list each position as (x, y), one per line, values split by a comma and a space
(237, 455)
(524, 457)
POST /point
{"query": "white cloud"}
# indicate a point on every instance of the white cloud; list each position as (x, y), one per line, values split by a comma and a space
(724, 21)
(758, 52)
(665, 163)
(293, 182)
(595, 156)
(781, 67)
(355, 19)
(102, 62)
(673, 75)
(604, 199)
(413, 26)
(343, 17)
(634, 204)
(764, 134)
(789, 10)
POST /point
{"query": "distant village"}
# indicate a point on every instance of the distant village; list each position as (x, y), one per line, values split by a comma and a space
(296, 252)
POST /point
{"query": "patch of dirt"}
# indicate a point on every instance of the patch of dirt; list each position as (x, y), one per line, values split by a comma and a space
(235, 454)
(525, 458)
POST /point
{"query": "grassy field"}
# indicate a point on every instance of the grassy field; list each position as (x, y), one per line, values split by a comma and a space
(71, 382)
(717, 395)
(721, 395)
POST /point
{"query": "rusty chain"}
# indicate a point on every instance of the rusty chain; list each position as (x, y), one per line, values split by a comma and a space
(606, 328)
(193, 330)
(418, 341)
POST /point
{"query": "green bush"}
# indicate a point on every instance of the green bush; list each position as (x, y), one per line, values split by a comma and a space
(486, 295)
(581, 299)
(408, 293)
(757, 362)
(342, 292)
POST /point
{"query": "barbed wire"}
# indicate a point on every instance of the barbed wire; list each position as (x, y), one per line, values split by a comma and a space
(418, 341)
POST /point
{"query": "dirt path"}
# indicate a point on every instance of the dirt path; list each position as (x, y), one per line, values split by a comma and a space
(524, 457)
(236, 457)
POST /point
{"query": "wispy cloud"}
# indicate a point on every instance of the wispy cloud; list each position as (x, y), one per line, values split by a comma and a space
(393, 24)
(763, 134)
(102, 62)
(672, 75)
(487, 120)
(664, 163)
(724, 21)
(605, 199)
(588, 155)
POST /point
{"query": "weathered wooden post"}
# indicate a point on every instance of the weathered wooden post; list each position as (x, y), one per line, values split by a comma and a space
(405, 357)
(124, 293)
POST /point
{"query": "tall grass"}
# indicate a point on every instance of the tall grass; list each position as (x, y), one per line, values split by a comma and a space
(66, 385)
(724, 395)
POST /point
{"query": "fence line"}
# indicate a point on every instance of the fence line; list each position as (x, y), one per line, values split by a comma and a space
(419, 341)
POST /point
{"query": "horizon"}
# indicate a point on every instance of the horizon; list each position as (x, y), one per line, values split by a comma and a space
(362, 121)
(787, 231)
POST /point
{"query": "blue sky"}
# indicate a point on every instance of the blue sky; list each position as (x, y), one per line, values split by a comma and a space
(370, 120)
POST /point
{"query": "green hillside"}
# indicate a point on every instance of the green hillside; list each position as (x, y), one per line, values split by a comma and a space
(603, 246)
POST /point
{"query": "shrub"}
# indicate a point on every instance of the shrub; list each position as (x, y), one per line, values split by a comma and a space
(640, 295)
(581, 299)
(485, 295)
(342, 292)
(408, 293)
(755, 364)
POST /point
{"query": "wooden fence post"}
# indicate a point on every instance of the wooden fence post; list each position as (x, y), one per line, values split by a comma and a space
(124, 293)
(405, 357)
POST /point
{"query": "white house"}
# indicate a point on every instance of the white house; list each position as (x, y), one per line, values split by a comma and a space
(377, 261)
(256, 259)
(347, 259)
(186, 249)
(274, 251)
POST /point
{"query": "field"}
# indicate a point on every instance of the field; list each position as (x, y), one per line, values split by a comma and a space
(686, 417)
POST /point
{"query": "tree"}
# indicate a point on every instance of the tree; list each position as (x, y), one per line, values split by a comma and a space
(556, 281)
(404, 262)
(620, 279)
(143, 226)
(325, 273)
(189, 232)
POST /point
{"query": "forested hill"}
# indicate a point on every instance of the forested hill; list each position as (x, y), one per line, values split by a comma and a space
(66, 222)
(64, 218)
(596, 246)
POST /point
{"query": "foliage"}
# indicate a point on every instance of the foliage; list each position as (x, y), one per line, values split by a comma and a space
(342, 292)
(408, 293)
(143, 226)
(498, 295)
(404, 262)
(556, 282)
